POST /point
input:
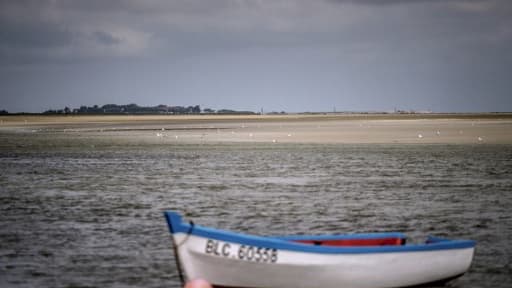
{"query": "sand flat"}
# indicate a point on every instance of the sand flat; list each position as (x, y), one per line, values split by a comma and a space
(292, 128)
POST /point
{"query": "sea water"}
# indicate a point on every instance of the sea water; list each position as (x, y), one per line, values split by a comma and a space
(82, 214)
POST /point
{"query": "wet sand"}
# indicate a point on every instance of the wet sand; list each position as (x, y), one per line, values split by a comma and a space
(298, 128)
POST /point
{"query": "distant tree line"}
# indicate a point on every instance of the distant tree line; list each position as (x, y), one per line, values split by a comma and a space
(136, 109)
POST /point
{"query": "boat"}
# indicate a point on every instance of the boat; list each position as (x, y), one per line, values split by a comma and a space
(369, 260)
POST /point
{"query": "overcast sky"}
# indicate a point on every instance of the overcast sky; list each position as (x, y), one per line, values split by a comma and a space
(291, 55)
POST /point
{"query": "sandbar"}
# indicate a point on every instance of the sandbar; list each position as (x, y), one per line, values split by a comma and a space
(330, 128)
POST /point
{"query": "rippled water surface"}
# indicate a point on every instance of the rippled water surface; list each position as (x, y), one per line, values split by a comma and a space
(91, 215)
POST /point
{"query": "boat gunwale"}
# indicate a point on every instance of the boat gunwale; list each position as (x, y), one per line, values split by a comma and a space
(176, 226)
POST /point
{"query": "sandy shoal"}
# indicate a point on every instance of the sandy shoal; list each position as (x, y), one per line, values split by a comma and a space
(330, 128)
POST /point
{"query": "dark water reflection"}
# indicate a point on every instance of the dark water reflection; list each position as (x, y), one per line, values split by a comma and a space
(92, 216)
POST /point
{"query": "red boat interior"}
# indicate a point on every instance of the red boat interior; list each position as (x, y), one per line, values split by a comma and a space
(355, 242)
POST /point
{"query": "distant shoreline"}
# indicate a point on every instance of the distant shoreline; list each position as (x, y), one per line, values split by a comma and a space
(13, 119)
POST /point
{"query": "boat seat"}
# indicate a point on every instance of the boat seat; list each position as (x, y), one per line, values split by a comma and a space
(355, 242)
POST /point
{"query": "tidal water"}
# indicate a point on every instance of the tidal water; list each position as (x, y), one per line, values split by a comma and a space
(80, 215)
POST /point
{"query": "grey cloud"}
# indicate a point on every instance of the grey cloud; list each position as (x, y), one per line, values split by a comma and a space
(228, 49)
(106, 38)
(35, 35)
(136, 7)
(393, 2)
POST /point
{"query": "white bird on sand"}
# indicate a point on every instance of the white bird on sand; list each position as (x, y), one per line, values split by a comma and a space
(274, 141)
(438, 133)
(480, 139)
(420, 136)
(159, 134)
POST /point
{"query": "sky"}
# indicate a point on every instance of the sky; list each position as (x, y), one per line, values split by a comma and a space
(275, 55)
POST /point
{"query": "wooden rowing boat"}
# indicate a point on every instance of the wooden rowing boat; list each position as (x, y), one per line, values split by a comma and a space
(371, 260)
